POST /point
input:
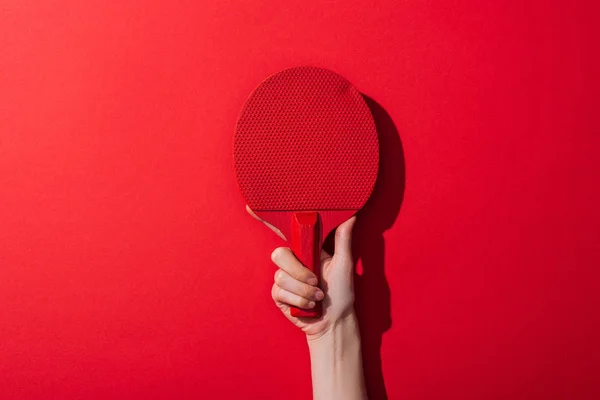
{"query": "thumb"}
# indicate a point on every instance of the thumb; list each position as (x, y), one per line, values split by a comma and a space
(343, 238)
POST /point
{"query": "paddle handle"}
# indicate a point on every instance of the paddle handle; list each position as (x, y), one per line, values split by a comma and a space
(306, 245)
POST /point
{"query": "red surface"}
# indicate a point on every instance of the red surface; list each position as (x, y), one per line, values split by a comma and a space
(126, 254)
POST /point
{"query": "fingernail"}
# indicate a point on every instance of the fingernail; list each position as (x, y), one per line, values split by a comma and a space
(319, 295)
(311, 304)
(313, 281)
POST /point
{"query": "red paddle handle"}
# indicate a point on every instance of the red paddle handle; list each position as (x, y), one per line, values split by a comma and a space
(306, 245)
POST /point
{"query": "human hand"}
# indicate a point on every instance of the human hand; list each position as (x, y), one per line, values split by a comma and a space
(295, 285)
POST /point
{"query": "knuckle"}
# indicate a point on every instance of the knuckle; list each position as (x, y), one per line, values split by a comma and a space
(307, 291)
(276, 254)
(278, 276)
(275, 292)
(303, 302)
(306, 273)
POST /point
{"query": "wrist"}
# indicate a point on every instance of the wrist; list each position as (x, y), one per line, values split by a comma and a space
(345, 327)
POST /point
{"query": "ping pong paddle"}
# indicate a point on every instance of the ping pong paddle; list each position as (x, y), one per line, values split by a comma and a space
(306, 157)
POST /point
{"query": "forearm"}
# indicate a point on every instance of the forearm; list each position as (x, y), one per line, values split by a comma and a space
(336, 362)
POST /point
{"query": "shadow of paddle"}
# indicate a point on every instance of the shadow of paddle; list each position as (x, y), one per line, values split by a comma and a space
(373, 303)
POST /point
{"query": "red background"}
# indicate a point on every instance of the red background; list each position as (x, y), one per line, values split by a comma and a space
(129, 269)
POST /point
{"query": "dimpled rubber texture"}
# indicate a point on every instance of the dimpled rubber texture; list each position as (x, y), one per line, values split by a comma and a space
(306, 140)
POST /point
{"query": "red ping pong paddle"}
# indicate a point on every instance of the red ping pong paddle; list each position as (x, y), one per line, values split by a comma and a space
(306, 157)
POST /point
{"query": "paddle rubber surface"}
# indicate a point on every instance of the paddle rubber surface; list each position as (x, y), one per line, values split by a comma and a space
(306, 140)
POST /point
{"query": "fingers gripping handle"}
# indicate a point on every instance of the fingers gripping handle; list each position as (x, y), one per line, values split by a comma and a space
(306, 246)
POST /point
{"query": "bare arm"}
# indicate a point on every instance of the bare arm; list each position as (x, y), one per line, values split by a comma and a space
(336, 362)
